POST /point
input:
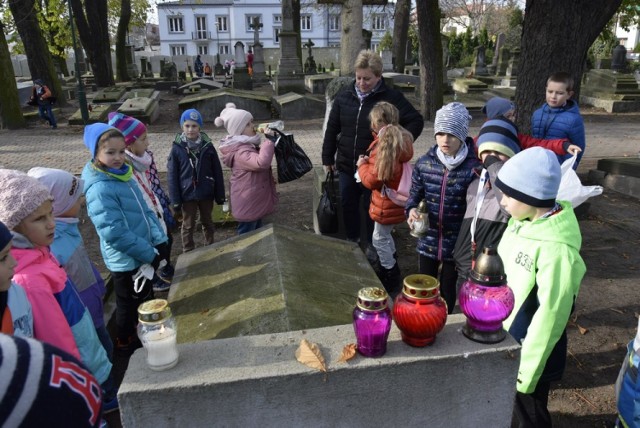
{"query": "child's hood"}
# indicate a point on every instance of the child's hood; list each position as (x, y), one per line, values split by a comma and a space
(232, 144)
(36, 261)
(562, 228)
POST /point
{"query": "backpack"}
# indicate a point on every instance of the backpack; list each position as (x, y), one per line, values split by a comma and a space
(400, 196)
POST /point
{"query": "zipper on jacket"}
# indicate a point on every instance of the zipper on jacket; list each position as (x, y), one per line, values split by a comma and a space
(443, 187)
(143, 215)
(355, 139)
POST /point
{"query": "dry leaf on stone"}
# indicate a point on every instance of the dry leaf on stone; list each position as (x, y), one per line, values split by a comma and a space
(348, 352)
(309, 354)
(582, 330)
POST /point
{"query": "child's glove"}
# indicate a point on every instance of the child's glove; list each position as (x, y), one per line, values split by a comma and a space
(163, 251)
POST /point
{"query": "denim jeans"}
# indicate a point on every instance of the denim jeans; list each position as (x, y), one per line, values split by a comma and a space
(46, 112)
(248, 226)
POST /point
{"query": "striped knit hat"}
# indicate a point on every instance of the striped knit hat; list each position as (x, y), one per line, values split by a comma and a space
(532, 177)
(131, 128)
(500, 135)
(452, 119)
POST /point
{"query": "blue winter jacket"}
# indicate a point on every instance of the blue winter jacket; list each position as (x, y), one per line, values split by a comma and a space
(191, 177)
(560, 122)
(445, 192)
(127, 227)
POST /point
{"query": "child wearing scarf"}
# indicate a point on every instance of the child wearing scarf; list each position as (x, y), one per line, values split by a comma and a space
(131, 235)
(253, 188)
(146, 175)
(441, 177)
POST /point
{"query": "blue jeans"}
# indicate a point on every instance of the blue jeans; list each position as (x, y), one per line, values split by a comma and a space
(248, 226)
(351, 194)
(46, 112)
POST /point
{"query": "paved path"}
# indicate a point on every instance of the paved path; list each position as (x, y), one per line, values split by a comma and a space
(607, 136)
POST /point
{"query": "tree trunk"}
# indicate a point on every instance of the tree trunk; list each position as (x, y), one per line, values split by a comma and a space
(351, 40)
(122, 70)
(38, 58)
(428, 12)
(95, 37)
(10, 111)
(400, 33)
(62, 64)
(556, 36)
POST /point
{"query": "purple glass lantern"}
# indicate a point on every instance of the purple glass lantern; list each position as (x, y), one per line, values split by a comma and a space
(486, 299)
(372, 321)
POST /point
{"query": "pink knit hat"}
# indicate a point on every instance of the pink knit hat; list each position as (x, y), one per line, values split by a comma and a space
(233, 119)
(20, 195)
(131, 128)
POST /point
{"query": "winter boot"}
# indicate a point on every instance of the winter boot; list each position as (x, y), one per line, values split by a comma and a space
(391, 280)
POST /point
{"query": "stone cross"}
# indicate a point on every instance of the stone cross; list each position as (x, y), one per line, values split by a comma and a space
(256, 25)
(309, 45)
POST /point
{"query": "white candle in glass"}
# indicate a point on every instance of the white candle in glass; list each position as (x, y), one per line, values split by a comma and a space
(162, 351)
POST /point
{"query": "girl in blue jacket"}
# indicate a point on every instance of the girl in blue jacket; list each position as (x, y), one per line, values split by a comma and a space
(130, 233)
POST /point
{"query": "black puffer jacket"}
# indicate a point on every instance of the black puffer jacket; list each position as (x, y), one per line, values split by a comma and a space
(348, 129)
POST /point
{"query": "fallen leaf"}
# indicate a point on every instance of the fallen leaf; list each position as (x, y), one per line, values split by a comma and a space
(582, 330)
(348, 352)
(309, 354)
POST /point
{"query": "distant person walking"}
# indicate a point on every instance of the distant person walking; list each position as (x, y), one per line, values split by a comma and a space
(207, 69)
(250, 62)
(199, 67)
(42, 97)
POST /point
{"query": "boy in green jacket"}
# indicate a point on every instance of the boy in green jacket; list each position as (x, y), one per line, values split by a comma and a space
(540, 250)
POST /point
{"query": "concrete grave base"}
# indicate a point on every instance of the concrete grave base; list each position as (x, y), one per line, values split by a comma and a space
(256, 381)
(211, 103)
(292, 106)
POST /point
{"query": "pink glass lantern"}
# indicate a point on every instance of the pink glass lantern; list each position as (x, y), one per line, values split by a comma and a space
(486, 299)
(372, 321)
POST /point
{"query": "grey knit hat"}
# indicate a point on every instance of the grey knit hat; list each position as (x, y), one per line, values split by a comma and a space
(452, 119)
(20, 195)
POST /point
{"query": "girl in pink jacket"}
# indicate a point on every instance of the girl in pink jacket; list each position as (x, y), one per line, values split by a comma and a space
(253, 188)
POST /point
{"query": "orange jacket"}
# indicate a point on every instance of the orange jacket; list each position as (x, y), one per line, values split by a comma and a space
(381, 209)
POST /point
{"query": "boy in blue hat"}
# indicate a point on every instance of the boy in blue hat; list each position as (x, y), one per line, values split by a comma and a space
(541, 254)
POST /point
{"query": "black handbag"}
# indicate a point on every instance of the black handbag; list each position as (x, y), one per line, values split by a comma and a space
(327, 211)
(291, 160)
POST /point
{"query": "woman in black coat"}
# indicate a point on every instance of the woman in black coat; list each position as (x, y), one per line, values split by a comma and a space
(349, 135)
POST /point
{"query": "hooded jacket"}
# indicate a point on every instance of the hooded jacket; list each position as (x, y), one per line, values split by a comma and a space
(445, 192)
(348, 133)
(544, 269)
(127, 227)
(59, 317)
(383, 210)
(194, 177)
(560, 122)
(252, 186)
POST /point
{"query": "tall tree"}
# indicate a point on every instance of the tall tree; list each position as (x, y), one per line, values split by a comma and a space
(38, 58)
(122, 72)
(352, 41)
(556, 36)
(400, 32)
(10, 112)
(430, 54)
(95, 37)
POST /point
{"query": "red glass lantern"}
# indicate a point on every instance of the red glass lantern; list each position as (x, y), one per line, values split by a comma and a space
(486, 299)
(419, 312)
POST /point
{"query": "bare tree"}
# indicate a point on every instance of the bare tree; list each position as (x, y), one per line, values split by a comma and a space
(428, 12)
(556, 36)
(10, 112)
(400, 32)
(470, 13)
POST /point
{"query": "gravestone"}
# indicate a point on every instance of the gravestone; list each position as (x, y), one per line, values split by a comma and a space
(241, 78)
(259, 75)
(211, 103)
(479, 68)
(310, 63)
(387, 60)
(619, 59)
(493, 68)
(109, 95)
(97, 113)
(275, 279)
(293, 106)
(145, 109)
(503, 61)
(290, 77)
(132, 67)
(611, 90)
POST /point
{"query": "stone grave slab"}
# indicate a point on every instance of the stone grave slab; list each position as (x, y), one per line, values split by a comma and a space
(402, 78)
(98, 113)
(293, 106)
(317, 83)
(211, 103)
(469, 85)
(109, 95)
(142, 108)
(140, 93)
(275, 279)
(615, 92)
(619, 174)
(207, 84)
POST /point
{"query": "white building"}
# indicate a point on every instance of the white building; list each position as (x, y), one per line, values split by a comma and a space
(207, 27)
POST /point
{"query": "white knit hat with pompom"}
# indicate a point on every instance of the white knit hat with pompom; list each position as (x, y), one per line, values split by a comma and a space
(233, 119)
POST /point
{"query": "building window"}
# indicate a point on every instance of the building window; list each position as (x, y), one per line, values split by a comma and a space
(222, 24)
(223, 49)
(177, 50)
(378, 22)
(276, 36)
(277, 19)
(249, 22)
(375, 47)
(203, 50)
(175, 24)
(305, 23)
(201, 28)
(334, 22)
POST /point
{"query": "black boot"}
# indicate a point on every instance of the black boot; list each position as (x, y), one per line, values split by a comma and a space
(391, 280)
